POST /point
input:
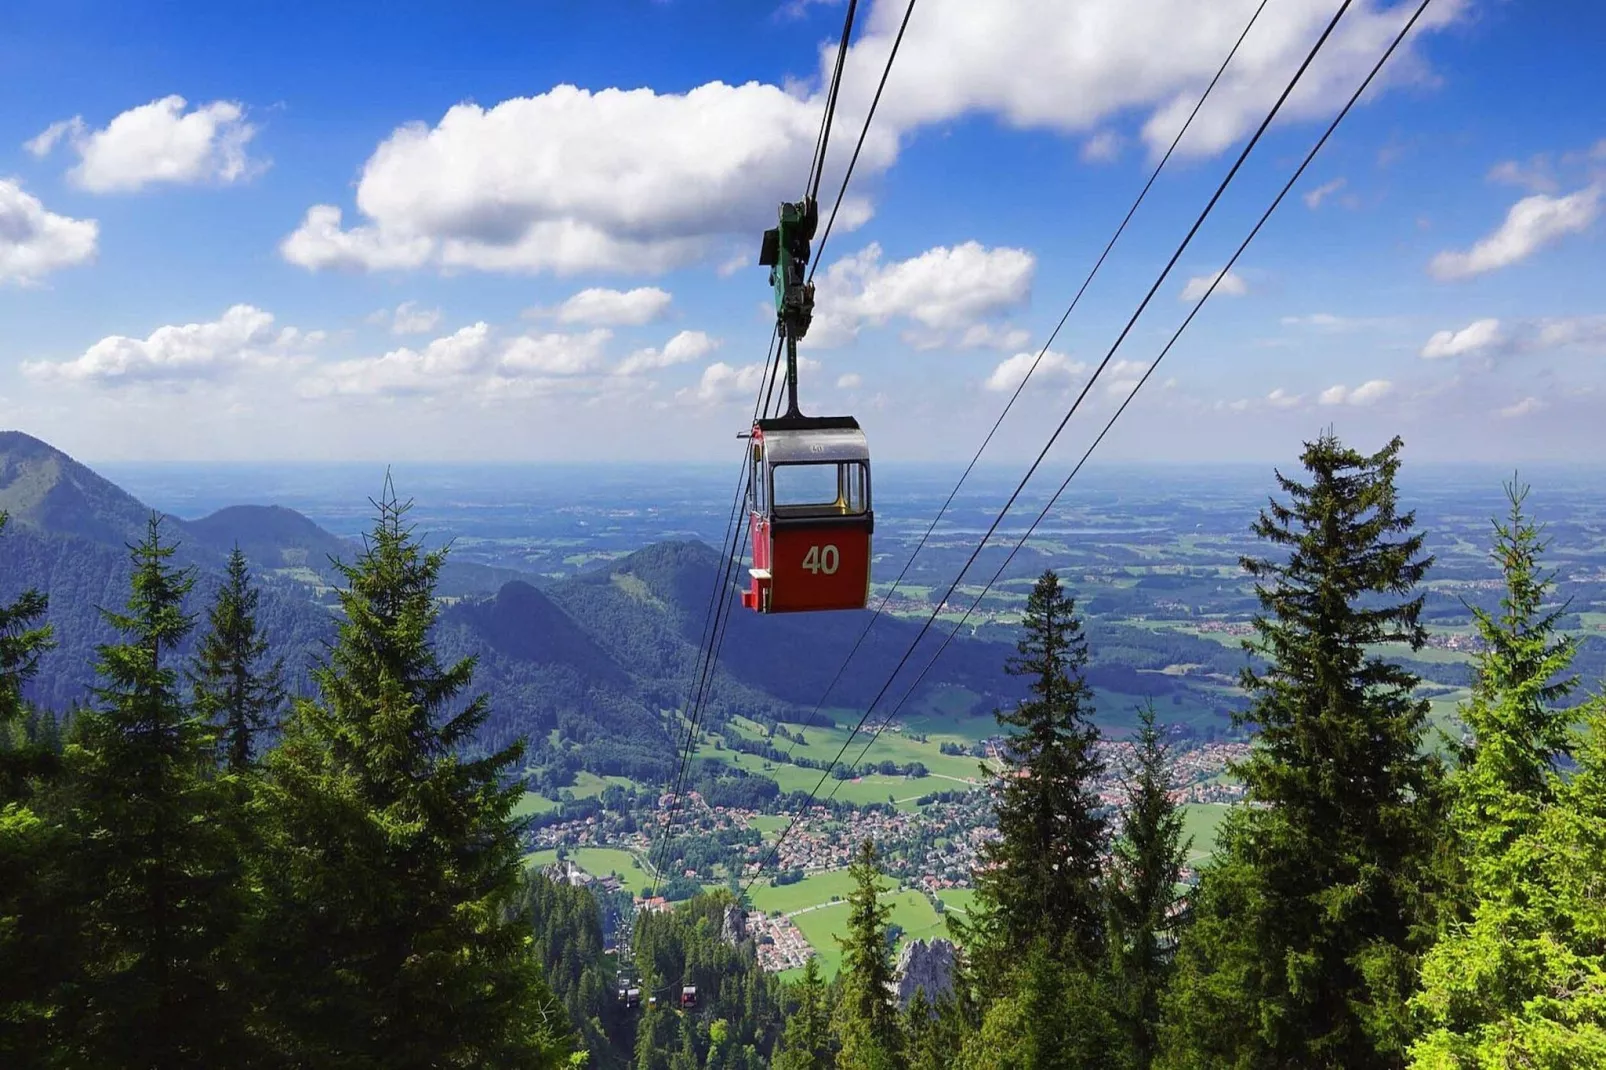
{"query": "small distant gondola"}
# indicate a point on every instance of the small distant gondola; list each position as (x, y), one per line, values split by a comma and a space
(688, 996)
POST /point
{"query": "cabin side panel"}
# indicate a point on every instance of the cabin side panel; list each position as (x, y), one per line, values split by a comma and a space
(819, 568)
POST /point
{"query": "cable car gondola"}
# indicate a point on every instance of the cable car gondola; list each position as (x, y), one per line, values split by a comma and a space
(688, 996)
(809, 515)
(809, 487)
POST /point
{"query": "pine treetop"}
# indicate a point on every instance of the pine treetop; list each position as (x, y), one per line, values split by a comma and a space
(867, 1017)
(155, 616)
(22, 642)
(1350, 550)
(1040, 877)
(228, 684)
(1521, 672)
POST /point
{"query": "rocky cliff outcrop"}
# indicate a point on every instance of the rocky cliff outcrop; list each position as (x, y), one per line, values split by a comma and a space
(927, 966)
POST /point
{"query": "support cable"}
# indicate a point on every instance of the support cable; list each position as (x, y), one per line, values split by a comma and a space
(819, 250)
(1311, 155)
(1142, 306)
(941, 512)
(705, 645)
(817, 170)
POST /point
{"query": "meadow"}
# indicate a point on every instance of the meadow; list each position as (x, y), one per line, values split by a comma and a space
(820, 926)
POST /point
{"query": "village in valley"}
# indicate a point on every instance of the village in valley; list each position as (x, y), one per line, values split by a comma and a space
(929, 846)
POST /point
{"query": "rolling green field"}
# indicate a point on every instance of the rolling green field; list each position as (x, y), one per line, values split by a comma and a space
(814, 890)
(532, 803)
(875, 788)
(1202, 821)
(909, 909)
(823, 744)
(586, 785)
(1442, 714)
(771, 825)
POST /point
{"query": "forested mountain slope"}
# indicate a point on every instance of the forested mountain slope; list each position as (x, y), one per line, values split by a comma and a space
(588, 668)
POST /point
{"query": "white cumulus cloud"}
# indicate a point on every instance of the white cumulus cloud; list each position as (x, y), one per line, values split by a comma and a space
(407, 318)
(1327, 321)
(1491, 337)
(243, 336)
(992, 336)
(722, 382)
(156, 142)
(1368, 393)
(575, 179)
(572, 180)
(1231, 285)
(441, 363)
(850, 381)
(1524, 407)
(1480, 336)
(615, 308)
(1574, 331)
(1315, 197)
(1071, 67)
(1011, 372)
(1535, 176)
(35, 242)
(321, 243)
(685, 346)
(556, 353)
(1531, 224)
(944, 291)
(1277, 399)
(1102, 147)
(1123, 376)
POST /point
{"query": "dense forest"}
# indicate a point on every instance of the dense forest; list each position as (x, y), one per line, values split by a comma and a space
(208, 860)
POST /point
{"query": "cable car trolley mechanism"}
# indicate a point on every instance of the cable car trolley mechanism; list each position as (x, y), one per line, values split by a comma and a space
(809, 481)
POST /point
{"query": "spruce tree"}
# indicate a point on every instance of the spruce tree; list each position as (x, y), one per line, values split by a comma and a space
(806, 1042)
(22, 640)
(231, 686)
(1054, 1016)
(390, 857)
(1519, 976)
(1041, 877)
(153, 854)
(1302, 948)
(866, 1025)
(1146, 869)
(934, 1032)
(35, 937)
(655, 1030)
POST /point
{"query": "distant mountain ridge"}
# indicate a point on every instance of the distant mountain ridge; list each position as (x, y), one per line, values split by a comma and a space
(272, 535)
(43, 488)
(588, 665)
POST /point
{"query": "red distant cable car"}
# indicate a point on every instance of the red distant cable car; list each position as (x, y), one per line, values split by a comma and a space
(688, 996)
(809, 486)
(810, 516)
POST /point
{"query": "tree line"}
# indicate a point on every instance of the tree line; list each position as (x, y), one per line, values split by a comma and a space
(1380, 902)
(197, 871)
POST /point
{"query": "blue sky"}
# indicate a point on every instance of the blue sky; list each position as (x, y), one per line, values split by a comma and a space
(528, 231)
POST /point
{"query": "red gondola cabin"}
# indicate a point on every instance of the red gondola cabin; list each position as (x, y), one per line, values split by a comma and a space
(810, 517)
